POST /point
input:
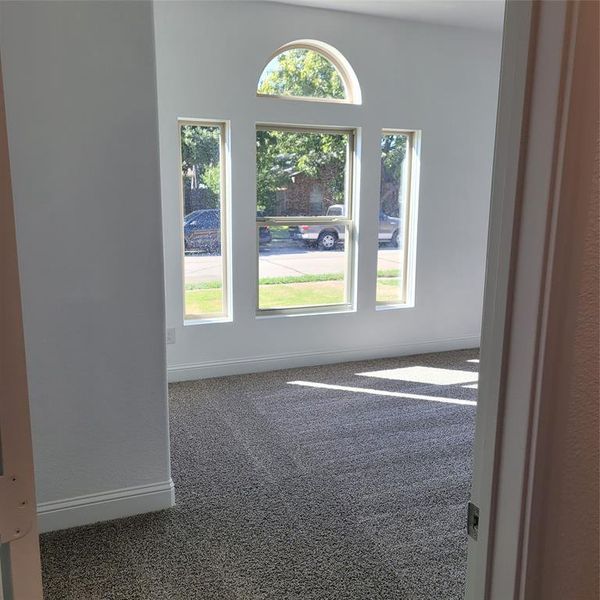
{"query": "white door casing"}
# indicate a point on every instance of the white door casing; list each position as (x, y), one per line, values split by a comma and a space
(535, 86)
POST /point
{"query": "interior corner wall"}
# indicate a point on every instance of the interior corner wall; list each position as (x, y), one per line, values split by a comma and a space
(80, 83)
(440, 80)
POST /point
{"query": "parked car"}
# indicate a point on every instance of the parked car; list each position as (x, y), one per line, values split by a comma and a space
(264, 233)
(202, 231)
(327, 237)
(389, 229)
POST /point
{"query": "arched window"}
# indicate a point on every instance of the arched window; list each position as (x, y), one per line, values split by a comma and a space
(310, 70)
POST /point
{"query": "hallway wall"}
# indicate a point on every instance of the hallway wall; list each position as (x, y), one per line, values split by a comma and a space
(82, 125)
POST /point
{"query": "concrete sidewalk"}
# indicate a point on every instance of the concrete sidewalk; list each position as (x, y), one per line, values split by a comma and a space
(275, 263)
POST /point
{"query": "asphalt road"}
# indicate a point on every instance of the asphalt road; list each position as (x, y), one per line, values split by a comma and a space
(277, 261)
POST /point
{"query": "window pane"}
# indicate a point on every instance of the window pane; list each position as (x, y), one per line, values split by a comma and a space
(301, 173)
(303, 73)
(393, 207)
(300, 266)
(203, 260)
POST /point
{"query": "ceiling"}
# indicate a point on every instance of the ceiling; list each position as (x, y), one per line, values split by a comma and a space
(481, 14)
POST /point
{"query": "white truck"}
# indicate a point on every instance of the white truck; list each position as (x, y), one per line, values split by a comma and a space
(327, 237)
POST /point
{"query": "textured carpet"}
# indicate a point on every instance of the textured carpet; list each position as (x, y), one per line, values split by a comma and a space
(286, 491)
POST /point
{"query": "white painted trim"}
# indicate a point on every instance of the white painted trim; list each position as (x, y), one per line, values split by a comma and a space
(504, 211)
(91, 508)
(255, 364)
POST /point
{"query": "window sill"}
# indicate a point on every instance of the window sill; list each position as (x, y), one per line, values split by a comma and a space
(384, 307)
(207, 321)
(316, 312)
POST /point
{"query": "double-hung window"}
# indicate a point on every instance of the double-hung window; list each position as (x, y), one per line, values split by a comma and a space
(304, 223)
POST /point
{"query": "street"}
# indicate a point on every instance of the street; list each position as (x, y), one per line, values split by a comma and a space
(286, 260)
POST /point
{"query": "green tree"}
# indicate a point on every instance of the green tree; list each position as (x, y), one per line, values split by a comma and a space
(273, 170)
(211, 178)
(284, 156)
(302, 72)
(393, 154)
(281, 156)
(200, 162)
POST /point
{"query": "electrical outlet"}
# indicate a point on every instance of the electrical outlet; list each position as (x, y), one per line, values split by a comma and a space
(170, 335)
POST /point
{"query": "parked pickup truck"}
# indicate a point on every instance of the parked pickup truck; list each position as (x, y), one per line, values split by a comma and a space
(326, 237)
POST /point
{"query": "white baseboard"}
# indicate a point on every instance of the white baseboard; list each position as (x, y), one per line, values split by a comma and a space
(105, 506)
(239, 366)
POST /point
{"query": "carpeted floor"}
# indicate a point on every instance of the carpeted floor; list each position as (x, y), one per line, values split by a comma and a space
(293, 492)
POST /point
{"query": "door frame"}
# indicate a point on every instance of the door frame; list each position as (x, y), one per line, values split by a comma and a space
(20, 567)
(529, 188)
(536, 64)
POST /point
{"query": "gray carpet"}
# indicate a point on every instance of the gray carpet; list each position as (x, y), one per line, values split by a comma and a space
(288, 492)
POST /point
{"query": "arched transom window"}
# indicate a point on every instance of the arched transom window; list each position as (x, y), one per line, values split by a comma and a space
(310, 70)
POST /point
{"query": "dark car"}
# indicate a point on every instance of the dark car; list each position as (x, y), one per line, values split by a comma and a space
(264, 233)
(202, 231)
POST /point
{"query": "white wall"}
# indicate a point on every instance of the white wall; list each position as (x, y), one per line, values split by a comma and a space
(82, 123)
(440, 80)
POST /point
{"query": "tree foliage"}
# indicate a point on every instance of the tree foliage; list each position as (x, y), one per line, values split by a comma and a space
(302, 72)
(393, 154)
(200, 162)
(211, 179)
(282, 156)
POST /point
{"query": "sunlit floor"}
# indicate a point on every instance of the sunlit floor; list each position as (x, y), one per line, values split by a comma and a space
(337, 482)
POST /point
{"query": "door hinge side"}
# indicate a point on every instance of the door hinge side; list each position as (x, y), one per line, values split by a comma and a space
(16, 516)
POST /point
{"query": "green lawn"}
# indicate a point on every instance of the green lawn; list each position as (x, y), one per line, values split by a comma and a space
(205, 299)
(203, 303)
(388, 289)
(290, 295)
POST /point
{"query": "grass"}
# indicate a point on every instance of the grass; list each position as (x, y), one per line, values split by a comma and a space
(395, 281)
(285, 279)
(388, 291)
(301, 294)
(206, 298)
(203, 303)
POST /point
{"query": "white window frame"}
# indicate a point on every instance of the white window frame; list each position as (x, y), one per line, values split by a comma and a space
(348, 222)
(224, 203)
(409, 219)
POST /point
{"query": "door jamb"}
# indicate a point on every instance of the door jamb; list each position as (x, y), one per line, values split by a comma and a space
(21, 577)
(537, 59)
